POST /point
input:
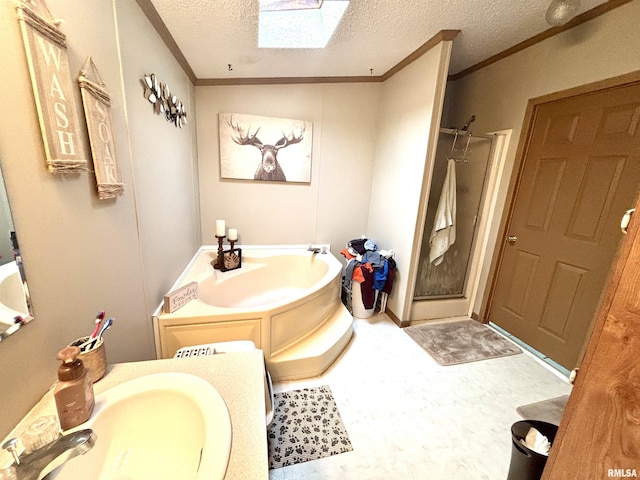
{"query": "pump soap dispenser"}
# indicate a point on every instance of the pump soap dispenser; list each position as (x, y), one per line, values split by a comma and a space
(74, 391)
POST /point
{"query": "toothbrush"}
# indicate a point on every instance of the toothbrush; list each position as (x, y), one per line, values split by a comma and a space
(104, 328)
(91, 343)
(99, 319)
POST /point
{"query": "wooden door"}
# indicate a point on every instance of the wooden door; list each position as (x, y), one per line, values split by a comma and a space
(599, 436)
(581, 172)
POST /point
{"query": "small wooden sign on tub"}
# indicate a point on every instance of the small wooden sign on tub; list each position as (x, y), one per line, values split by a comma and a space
(180, 297)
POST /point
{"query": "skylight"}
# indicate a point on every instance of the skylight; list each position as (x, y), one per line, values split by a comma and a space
(279, 5)
(298, 23)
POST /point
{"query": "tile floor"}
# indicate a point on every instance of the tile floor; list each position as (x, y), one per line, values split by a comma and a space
(410, 418)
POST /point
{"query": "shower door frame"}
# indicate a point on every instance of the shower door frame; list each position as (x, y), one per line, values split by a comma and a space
(479, 216)
(482, 250)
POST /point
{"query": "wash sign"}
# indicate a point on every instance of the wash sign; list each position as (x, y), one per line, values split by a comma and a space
(53, 89)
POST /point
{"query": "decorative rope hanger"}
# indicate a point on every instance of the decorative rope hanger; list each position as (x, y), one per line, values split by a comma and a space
(97, 109)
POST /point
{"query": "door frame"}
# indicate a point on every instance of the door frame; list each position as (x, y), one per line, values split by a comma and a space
(533, 106)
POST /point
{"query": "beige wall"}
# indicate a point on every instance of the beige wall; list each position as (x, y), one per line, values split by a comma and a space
(498, 94)
(410, 112)
(163, 157)
(82, 254)
(333, 207)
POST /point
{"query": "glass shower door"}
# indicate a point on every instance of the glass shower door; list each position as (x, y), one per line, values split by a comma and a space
(471, 154)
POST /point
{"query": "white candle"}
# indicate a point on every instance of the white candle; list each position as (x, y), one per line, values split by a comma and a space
(233, 235)
(220, 228)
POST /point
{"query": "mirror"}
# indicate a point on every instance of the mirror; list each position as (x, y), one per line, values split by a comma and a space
(15, 306)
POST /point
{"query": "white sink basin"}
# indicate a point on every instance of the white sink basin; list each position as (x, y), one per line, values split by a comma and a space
(12, 298)
(161, 426)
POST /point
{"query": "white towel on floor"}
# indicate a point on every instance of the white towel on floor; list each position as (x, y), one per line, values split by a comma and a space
(536, 442)
(443, 234)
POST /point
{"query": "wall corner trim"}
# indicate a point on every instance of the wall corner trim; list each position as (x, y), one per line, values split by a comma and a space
(396, 320)
(441, 36)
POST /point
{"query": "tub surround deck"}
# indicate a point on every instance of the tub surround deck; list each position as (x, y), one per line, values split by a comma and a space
(285, 299)
(244, 400)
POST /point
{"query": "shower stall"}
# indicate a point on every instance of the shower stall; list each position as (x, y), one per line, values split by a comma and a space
(469, 155)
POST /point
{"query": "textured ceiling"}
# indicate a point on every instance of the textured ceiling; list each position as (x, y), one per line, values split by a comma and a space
(373, 34)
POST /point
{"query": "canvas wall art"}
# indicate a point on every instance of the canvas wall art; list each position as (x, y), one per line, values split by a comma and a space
(260, 148)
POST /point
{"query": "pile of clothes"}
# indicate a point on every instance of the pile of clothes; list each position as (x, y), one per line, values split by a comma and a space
(372, 268)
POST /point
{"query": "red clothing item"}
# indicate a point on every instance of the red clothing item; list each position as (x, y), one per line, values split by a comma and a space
(346, 254)
(357, 274)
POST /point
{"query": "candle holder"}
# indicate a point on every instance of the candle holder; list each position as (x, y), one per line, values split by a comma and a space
(227, 259)
(219, 263)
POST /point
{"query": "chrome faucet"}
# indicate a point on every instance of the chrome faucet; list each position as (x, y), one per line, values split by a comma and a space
(315, 250)
(40, 462)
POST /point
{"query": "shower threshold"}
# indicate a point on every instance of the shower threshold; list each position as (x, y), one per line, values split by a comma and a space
(439, 297)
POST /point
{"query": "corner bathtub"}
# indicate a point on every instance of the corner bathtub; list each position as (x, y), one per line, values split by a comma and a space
(284, 298)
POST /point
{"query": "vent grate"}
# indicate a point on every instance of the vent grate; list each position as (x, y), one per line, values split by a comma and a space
(196, 351)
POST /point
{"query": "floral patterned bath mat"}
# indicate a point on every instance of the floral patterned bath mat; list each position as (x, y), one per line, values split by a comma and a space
(306, 426)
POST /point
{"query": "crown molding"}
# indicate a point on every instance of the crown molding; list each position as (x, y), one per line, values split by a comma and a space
(441, 36)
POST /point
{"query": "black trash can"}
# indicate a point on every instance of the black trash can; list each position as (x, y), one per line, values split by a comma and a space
(527, 464)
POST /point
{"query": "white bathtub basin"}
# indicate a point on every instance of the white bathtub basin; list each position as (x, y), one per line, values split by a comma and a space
(161, 426)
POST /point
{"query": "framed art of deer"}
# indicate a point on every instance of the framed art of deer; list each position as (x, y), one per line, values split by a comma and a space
(265, 148)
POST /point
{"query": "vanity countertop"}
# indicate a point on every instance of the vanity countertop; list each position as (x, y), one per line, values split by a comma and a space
(245, 401)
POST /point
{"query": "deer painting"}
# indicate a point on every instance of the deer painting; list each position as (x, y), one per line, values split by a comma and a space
(269, 168)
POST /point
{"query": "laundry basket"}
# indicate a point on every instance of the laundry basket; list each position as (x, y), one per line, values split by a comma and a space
(357, 305)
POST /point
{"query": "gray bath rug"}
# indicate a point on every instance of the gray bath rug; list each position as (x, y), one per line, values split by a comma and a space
(549, 411)
(465, 341)
(306, 426)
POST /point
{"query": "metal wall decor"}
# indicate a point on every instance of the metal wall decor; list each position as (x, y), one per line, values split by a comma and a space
(97, 111)
(53, 89)
(163, 102)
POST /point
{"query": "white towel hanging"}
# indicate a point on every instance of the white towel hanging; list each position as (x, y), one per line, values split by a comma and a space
(443, 234)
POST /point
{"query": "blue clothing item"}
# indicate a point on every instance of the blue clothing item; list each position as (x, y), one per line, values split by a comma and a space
(380, 268)
(374, 258)
(371, 245)
(380, 276)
